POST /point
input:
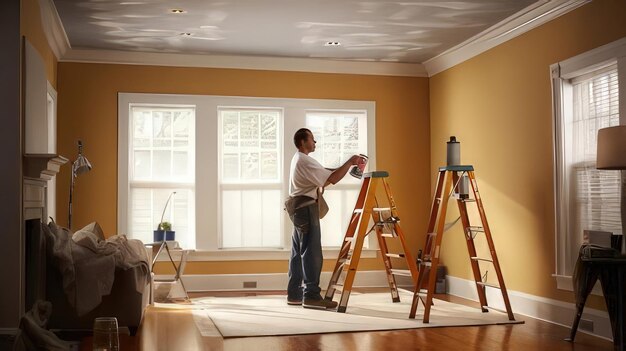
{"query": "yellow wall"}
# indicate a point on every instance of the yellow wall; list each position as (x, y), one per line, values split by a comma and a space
(498, 104)
(88, 110)
(31, 28)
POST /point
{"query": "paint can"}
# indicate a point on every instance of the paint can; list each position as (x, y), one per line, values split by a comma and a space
(357, 170)
(453, 156)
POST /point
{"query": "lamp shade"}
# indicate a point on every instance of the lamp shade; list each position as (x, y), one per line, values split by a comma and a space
(81, 165)
(611, 148)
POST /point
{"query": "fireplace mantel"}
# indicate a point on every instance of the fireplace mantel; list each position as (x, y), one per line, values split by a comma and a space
(43, 166)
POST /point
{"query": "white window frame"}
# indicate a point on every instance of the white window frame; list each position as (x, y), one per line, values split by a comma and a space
(207, 181)
(561, 73)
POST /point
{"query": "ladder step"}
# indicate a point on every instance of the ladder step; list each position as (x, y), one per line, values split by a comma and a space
(405, 272)
(337, 287)
(380, 209)
(476, 229)
(344, 261)
(388, 235)
(488, 284)
(467, 200)
(395, 255)
(481, 259)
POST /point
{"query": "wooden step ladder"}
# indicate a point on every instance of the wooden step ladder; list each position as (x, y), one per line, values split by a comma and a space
(448, 183)
(387, 227)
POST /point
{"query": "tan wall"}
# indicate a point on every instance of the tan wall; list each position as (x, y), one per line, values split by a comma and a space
(498, 104)
(31, 28)
(88, 110)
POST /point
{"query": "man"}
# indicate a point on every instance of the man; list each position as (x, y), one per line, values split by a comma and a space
(306, 176)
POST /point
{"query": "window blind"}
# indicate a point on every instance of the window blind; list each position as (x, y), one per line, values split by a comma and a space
(597, 192)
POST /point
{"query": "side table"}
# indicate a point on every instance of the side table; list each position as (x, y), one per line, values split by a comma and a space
(179, 269)
(612, 274)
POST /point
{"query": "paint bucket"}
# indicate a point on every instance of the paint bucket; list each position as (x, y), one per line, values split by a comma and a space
(357, 170)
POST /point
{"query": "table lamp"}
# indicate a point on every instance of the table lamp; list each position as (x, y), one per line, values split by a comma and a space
(611, 155)
(80, 166)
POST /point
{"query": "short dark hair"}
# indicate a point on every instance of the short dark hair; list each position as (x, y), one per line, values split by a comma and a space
(301, 135)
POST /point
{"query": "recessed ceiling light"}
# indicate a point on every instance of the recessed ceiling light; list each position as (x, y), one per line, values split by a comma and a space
(177, 11)
(332, 43)
(186, 34)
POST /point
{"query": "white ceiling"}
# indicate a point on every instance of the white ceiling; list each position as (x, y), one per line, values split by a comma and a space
(409, 31)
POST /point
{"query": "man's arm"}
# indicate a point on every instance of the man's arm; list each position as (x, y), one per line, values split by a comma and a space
(340, 172)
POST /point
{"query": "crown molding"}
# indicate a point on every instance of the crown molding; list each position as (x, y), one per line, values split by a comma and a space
(245, 62)
(53, 28)
(521, 22)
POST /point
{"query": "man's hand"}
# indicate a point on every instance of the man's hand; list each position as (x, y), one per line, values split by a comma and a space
(340, 172)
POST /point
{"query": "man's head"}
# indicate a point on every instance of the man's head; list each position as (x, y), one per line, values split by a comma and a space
(304, 141)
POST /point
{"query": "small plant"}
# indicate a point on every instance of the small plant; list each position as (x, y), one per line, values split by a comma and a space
(167, 226)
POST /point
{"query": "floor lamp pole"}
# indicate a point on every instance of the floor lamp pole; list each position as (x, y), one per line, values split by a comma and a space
(69, 220)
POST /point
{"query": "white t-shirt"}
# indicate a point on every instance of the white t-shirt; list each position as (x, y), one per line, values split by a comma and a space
(306, 175)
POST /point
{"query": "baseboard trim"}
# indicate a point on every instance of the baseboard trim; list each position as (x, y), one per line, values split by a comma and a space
(269, 281)
(544, 309)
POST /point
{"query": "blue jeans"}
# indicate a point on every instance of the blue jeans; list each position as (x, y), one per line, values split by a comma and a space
(305, 263)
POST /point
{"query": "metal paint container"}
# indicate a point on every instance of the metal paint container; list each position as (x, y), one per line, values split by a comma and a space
(357, 170)
(453, 156)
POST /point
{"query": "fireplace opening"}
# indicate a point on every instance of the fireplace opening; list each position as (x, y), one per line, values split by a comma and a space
(35, 263)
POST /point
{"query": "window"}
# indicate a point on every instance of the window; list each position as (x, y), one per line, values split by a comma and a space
(587, 98)
(230, 172)
(250, 178)
(162, 154)
(339, 135)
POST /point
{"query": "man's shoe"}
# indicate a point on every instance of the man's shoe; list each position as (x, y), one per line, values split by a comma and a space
(294, 301)
(319, 303)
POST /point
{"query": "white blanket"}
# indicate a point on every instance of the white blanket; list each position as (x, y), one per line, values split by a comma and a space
(87, 262)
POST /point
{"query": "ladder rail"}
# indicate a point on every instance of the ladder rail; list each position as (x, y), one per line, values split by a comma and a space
(355, 220)
(369, 202)
(471, 249)
(432, 221)
(434, 256)
(490, 243)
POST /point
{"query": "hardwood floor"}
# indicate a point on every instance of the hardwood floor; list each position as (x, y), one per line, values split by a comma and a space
(174, 329)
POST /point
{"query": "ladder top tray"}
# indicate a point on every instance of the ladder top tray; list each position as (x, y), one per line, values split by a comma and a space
(376, 174)
(458, 168)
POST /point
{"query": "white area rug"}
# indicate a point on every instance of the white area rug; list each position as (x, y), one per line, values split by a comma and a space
(270, 315)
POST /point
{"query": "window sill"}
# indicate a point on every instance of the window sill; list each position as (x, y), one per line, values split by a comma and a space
(255, 255)
(564, 282)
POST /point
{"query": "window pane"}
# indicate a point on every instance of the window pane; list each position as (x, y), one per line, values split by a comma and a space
(250, 146)
(163, 143)
(339, 135)
(142, 165)
(162, 164)
(251, 218)
(146, 209)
